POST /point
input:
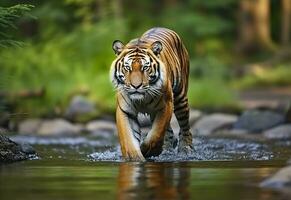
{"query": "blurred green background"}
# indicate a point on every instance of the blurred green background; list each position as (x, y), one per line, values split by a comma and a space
(56, 49)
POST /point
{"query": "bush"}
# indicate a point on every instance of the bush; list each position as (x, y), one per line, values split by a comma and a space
(63, 65)
(8, 16)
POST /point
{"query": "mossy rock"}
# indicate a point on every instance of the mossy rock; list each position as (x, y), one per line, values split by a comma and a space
(11, 151)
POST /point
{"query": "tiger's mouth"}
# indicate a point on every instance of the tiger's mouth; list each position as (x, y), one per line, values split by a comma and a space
(136, 95)
(135, 92)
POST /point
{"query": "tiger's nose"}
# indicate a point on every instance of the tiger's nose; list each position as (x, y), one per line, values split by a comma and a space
(136, 86)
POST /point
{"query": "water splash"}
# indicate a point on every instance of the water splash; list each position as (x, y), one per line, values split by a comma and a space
(94, 149)
(108, 155)
(204, 149)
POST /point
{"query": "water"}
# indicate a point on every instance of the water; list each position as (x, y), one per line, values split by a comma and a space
(88, 168)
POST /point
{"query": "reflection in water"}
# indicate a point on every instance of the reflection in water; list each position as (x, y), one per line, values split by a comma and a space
(64, 172)
(153, 181)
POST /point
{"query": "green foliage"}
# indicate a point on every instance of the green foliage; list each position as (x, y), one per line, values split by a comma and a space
(276, 76)
(8, 16)
(71, 51)
(63, 66)
(52, 19)
(84, 9)
(208, 93)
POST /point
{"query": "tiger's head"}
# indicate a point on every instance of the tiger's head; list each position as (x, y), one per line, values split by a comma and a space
(138, 70)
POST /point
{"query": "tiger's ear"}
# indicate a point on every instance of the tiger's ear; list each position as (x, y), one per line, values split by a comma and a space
(117, 46)
(157, 47)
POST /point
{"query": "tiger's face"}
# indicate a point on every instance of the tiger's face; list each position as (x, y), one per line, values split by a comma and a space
(137, 71)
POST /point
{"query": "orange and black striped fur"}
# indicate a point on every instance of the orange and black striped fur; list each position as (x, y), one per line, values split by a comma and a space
(151, 76)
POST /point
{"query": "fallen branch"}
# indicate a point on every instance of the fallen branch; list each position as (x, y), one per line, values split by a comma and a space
(23, 94)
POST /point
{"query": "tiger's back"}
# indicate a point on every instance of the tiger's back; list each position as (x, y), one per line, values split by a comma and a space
(176, 60)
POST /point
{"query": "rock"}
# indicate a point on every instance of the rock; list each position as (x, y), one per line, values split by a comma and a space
(214, 122)
(102, 128)
(29, 126)
(48, 127)
(4, 119)
(3, 130)
(26, 148)
(11, 151)
(194, 115)
(237, 132)
(256, 121)
(280, 180)
(58, 127)
(80, 109)
(279, 132)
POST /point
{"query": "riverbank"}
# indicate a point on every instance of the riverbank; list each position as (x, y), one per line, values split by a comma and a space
(256, 134)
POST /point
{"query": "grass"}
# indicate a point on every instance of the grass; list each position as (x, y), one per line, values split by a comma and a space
(266, 77)
(211, 94)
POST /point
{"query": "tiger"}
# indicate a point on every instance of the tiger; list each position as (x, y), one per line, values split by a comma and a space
(150, 75)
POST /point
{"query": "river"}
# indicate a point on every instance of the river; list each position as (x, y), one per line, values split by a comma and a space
(86, 168)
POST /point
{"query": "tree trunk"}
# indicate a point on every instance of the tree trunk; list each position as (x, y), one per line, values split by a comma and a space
(255, 25)
(117, 8)
(286, 22)
(101, 9)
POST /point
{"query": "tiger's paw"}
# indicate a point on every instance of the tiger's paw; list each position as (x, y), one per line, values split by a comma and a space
(185, 147)
(185, 150)
(133, 156)
(170, 145)
(149, 149)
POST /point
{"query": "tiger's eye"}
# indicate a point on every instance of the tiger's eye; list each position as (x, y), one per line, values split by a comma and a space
(126, 67)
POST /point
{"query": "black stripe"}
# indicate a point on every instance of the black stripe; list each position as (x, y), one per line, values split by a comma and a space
(138, 133)
(182, 117)
(182, 112)
(131, 116)
(180, 108)
(152, 99)
(158, 102)
(118, 68)
(158, 76)
(177, 93)
(128, 103)
(178, 98)
(184, 123)
(182, 103)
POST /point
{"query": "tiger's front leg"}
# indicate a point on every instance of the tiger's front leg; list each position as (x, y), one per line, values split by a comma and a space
(128, 133)
(153, 143)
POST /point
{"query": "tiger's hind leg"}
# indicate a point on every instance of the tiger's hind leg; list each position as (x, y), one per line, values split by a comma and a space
(170, 141)
(181, 111)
